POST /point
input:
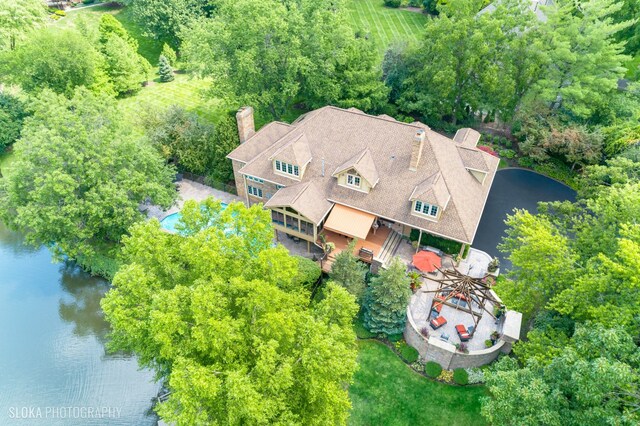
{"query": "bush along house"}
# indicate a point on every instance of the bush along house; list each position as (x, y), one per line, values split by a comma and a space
(337, 174)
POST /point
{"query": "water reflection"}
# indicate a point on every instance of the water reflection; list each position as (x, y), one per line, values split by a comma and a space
(14, 242)
(82, 309)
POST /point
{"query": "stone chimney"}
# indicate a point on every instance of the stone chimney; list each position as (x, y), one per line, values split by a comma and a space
(416, 149)
(246, 126)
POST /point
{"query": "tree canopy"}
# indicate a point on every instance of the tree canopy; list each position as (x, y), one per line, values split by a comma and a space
(80, 175)
(219, 313)
(349, 272)
(590, 381)
(18, 18)
(292, 48)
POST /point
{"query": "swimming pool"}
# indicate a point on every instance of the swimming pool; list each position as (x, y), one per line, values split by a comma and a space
(169, 222)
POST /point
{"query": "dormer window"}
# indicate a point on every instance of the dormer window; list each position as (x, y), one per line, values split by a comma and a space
(353, 180)
(287, 168)
(426, 209)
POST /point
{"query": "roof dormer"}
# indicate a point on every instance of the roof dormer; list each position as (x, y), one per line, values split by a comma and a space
(475, 163)
(430, 198)
(359, 172)
(292, 158)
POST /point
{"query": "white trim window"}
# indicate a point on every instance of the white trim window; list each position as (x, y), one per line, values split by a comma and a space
(426, 209)
(254, 179)
(353, 180)
(256, 192)
(287, 168)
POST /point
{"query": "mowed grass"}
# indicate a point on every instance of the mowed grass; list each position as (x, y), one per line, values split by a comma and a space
(185, 91)
(387, 392)
(148, 47)
(385, 25)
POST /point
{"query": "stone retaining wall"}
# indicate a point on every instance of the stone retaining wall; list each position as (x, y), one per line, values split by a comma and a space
(445, 354)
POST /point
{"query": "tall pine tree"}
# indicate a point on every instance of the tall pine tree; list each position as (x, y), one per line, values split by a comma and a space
(385, 303)
(164, 69)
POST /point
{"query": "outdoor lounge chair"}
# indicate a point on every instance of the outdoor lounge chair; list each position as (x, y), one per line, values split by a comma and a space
(438, 322)
(462, 332)
(437, 306)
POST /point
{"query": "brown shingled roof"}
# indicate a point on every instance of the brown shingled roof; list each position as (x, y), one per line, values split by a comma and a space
(363, 164)
(295, 150)
(336, 135)
(473, 159)
(304, 198)
(433, 191)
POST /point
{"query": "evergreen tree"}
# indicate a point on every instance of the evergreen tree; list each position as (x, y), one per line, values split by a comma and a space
(385, 303)
(164, 69)
(349, 272)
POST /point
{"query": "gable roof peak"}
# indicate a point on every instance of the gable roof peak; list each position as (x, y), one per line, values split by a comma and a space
(362, 163)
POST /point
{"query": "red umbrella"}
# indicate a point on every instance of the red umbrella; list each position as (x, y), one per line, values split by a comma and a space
(426, 261)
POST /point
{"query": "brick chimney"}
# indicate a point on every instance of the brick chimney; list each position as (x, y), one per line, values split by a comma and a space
(246, 126)
(416, 149)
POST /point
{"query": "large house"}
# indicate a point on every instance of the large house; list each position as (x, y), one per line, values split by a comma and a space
(338, 174)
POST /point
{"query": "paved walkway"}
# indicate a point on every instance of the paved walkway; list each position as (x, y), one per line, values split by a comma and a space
(190, 190)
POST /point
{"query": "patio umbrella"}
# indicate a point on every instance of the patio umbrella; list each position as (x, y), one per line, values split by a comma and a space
(426, 261)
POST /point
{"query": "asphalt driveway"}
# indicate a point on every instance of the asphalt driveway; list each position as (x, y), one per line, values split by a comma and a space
(514, 188)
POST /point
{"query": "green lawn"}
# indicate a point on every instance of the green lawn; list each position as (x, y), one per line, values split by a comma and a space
(388, 392)
(385, 25)
(149, 47)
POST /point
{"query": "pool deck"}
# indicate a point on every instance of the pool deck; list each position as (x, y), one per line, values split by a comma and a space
(190, 190)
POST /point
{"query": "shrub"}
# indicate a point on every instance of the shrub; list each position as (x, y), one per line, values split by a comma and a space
(475, 375)
(360, 330)
(507, 153)
(392, 3)
(308, 272)
(527, 162)
(488, 343)
(506, 142)
(425, 331)
(408, 353)
(432, 369)
(170, 54)
(447, 246)
(88, 1)
(446, 376)
(460, 376)
(60, 12)
(394, 337)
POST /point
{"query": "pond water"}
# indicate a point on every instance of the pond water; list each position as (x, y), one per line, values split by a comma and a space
(54, 369)
(514, 188)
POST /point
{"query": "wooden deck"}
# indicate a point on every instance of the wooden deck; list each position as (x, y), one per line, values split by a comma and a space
(374, 242)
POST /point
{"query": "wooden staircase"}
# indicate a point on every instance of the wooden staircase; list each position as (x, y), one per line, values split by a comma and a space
(389, 248)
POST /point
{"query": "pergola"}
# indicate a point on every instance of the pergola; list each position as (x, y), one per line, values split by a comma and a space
(456, 285)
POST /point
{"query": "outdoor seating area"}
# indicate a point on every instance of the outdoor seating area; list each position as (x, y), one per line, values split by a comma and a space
(448, 312)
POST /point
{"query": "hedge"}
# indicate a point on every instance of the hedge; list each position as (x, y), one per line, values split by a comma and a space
(433, 369)
(447, 246)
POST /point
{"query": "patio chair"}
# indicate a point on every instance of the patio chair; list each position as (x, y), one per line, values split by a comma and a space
(470, 329)
(462, 332)
(438, 322)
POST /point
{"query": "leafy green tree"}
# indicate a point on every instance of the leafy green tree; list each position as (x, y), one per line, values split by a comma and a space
(225, 140)
(219, 315)
(170, 54)
(386, 300)
(54, 59)
(163, 19)
(125, 68)
(183, 138)
(542, 260)
(165, 70)
(453, 66)
(349, 272)
(395, 69)
(584, 59)
(80, 175)
(18, 18)
(292, 48)
(592, 381)
(12, 115)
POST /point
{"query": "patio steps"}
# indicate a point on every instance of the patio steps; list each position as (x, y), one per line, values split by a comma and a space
(389, 248)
